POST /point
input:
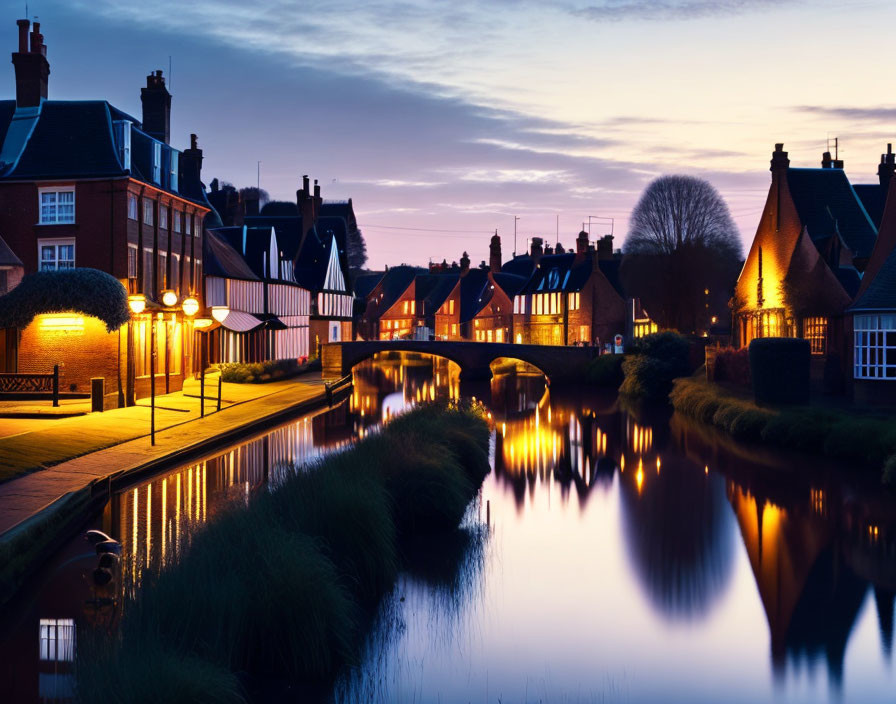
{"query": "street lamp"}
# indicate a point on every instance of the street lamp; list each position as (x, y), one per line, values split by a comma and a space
(137, 303)
(190, 306)
(169, 298)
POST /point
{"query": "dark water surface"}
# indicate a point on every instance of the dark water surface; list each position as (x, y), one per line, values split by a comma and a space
(612, 556)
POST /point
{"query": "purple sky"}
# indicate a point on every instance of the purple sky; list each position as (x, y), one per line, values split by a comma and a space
(445, 119)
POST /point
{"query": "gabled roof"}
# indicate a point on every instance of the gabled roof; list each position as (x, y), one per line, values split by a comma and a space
(443, 285)
(828, 206)
(7, 256)
(474, 293)
(221, 258)
(553, 273)
(881, 291)
(365, 283)
(287, 228)
(610, 269)
(395, 282)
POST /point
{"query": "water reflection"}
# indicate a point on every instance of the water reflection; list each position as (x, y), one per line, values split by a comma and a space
(613, 554)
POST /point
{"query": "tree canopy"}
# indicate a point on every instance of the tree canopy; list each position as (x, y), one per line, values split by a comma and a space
(682, 253)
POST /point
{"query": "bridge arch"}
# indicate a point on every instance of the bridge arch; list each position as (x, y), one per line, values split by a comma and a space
(473, 358)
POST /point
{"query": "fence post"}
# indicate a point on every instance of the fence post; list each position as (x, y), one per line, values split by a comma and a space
(220, 376)
(55, 385)
(97, 394)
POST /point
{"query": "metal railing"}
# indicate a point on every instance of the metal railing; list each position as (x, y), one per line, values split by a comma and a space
(333, 387)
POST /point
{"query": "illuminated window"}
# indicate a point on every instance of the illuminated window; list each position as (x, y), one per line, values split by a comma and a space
(499, 335)
(488, 335)
(132, 206)
(147, 212)
(771, 323)
(875, 346)
(56, 254)
(177, 220)
(132, 261)
(57, 205)
(404, 307)
(454, 328)
(163, 218)
(815, 331)
(413, 307)
(451, 307)
(57, 639)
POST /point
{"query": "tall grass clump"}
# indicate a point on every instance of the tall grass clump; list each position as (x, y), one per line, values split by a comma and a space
(349, 512)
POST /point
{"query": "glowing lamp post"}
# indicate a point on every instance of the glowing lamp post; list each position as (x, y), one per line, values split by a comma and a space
(137, 303)
(169, 298)
(219, 313)
(190, 306)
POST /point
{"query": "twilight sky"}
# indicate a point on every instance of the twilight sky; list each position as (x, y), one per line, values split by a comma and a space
(444, 119)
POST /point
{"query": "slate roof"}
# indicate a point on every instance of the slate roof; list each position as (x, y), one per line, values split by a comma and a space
(431, 290)
(70, 139)
(873, 197)
(7, 256)
(221, 258)
(554, 273)
(287, 228)
(511, 284)
(395, 282)
(610, 269)
(474, 293)
(828, 206)
(522, 265)
(881, 292)
(365, 283)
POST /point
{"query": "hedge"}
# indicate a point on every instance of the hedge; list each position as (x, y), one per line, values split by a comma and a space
(658, 359)
(87, 291)
(780, 370)
(261, 372)
(733, 365)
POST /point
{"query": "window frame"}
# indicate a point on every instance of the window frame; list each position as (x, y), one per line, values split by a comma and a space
(148, 218)
(55, 243)
(874, 346)
(133, 207)
(56, 190)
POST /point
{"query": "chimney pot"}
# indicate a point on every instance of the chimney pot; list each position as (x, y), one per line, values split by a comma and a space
(31, 67)
(24, 26)
(156, 102)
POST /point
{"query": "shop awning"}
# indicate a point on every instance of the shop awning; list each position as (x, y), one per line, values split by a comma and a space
(240, 321)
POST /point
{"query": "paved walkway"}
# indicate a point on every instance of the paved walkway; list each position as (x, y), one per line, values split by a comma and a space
(72, 448)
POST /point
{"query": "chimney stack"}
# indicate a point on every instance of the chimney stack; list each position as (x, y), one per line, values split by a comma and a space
(605, 247)
(31, 67)
(318, 201)
(305, 205)
(156, 107)
(581, 244)
(887, 166)
(494, 254)
(827, 162)
(464, 264)
(536, 249)
(780, 162)
(191, 161)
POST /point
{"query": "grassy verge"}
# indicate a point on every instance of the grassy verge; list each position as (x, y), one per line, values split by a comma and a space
(277, 588)
(868, 440)
(264, 372)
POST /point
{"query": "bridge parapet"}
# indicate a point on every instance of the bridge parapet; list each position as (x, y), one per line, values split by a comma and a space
(474, 358)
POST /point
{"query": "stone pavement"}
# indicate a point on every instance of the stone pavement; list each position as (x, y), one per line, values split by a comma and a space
(68, 453)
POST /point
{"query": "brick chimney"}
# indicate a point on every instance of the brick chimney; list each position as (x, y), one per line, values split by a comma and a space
(780, 162)
(827, 161)
(605, 247)
(494, 254)
(191, 160)
(887, 166)
(31, 67)
(582, 244)
(464, 264)
(536, 249)
(156, 107)
(318, 201)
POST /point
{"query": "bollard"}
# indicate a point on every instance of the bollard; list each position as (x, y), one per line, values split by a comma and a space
(219, 390)
(97, 394)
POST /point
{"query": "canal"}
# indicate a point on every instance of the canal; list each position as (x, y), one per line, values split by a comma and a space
(614, 555)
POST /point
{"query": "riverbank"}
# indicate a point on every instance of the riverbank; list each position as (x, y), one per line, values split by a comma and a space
(866, 438)
(277, 586)
(39, 508)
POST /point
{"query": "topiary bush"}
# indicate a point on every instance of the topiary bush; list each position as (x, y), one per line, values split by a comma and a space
(668, 346)
(780, 370)
(733, 366)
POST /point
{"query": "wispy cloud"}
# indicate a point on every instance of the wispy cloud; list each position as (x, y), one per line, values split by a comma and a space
(875, 114)
(665, 10)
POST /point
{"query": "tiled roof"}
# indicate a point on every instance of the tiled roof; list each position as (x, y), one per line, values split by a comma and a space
(522, 265)
(395, 282)
(434, 289)
(511, 284)
(474, 293)
(221, 258)
(873, 197)
(828, 206)
(365, 283)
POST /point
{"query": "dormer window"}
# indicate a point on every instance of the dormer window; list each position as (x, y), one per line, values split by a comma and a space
(157, 162)
(174, 160)
(57, 205)
(123, 140)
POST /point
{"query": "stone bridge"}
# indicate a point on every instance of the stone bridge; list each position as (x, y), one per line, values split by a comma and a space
(559, 364)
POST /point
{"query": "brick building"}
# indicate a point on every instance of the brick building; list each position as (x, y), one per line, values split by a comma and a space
(571, 298)
(804, 268)
(84, 184)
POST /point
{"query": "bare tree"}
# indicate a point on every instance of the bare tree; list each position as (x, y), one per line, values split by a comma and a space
(682, 253)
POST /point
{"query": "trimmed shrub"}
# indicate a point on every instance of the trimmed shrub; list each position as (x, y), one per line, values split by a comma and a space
(646, 377)
(669, 346)
(606, 371)
(780, 370)
(260, 372)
